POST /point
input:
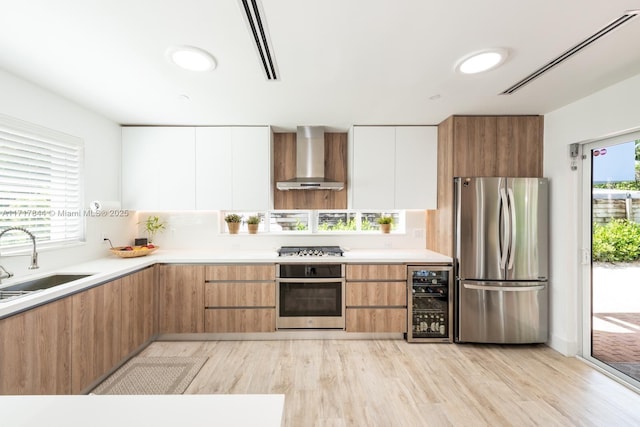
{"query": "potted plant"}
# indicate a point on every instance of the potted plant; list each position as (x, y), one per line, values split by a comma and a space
(253, 222)
(385, 223)
(233, 223)
(152, 226)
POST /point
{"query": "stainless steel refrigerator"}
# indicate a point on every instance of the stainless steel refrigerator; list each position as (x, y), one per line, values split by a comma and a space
(501, 253)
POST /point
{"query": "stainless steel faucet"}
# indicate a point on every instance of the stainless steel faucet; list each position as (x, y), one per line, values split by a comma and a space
(4, 274)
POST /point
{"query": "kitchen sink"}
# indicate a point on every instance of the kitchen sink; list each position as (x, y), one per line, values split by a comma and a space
(25, 288)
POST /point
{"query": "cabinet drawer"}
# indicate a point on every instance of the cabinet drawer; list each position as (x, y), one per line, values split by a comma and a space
(240, 272)
(240, 320)
(240, 294)
(372, 294)
(376, 272)
(376, 320)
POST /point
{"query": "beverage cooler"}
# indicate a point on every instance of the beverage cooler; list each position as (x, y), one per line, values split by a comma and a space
(430, 305)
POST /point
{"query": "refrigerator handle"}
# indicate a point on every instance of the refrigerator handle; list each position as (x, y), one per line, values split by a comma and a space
(504, 288)
(505, 227)
(512, 228)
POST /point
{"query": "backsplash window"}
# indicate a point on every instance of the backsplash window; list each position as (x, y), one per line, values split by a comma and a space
(336, 221)
(320, 221)
(288, 221)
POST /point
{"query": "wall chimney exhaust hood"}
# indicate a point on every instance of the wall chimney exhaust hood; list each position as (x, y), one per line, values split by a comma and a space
(310, 162)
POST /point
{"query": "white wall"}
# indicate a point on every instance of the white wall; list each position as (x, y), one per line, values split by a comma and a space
(610, 111)
(25, 101)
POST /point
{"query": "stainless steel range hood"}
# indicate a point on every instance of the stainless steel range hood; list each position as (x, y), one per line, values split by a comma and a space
(310, 162)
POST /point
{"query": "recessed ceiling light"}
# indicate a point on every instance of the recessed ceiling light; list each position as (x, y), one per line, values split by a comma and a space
(191, 58)
(481, 61)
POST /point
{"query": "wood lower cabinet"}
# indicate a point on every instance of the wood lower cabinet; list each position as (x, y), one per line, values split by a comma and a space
(376, 272)
(376, 319)
(376, 298)
(138, 314)
(66, 346)
(110, 322)
(96, 330)
(240, 298)
(240, 320)
(36, 350)
(240, 294)
(240, 272)
(372, 294)
(180, 298)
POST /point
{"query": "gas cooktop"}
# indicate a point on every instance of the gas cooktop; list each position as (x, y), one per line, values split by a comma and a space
(313, 251)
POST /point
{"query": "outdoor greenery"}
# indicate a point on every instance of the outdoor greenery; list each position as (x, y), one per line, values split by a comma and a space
(619, 239)
(338, 226)
(616, 241)
(365, 225)
(625, 185)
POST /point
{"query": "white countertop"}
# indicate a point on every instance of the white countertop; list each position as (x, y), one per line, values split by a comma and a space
(201, 410)
(111, 267)
(271, 256)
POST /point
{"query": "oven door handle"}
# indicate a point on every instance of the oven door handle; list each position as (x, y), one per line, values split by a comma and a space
(309, 280)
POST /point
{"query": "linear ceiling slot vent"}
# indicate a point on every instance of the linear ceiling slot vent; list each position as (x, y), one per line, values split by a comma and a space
(572, 51)
(253, 15)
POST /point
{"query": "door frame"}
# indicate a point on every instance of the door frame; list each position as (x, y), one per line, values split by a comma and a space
(585, 260)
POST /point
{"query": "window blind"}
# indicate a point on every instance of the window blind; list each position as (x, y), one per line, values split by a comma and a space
(40, 184)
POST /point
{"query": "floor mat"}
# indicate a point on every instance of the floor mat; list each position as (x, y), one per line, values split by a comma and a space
(152, 375)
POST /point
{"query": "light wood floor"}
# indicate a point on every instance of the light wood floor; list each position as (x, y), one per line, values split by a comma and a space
(394, 383)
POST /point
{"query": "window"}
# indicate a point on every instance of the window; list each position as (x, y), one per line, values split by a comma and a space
(40, 184)
(337, 221)
(289, 221)
(315, 221)
(351, 221)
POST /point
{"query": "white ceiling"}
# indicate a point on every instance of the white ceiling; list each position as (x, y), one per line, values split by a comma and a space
(341, 62)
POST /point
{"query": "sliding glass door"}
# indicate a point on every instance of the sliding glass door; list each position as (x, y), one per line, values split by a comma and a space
(611, 326)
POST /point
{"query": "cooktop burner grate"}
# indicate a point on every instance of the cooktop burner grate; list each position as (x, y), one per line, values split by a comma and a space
(310, 251)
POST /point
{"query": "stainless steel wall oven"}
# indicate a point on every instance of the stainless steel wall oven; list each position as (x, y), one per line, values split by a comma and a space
(310, 296)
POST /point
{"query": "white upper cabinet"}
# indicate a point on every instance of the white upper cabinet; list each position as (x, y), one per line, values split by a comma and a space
(213, 168)
(372, 168)
(416, 167)
(393, 167)
(158, 168)
(206, 168)
(233, 168)
(252, 168)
